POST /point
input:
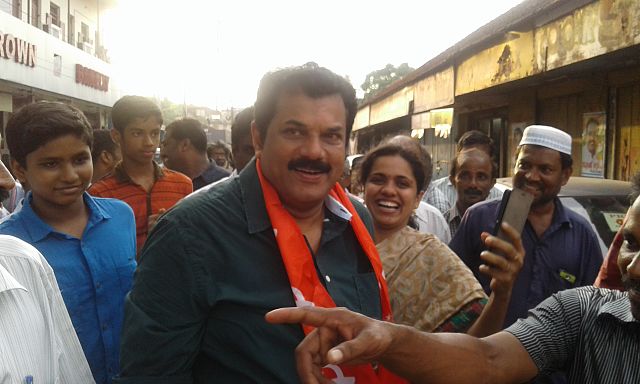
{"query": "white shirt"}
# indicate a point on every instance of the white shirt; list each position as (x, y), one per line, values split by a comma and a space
(37, 338)
(430, 220)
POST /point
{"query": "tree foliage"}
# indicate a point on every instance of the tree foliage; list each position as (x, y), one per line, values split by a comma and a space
(378, 80)
(170, 111)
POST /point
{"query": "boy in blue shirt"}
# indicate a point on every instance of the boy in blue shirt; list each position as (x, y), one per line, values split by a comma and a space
(89, 241)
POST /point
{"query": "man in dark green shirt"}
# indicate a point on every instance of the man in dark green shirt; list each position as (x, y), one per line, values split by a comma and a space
(212, 267)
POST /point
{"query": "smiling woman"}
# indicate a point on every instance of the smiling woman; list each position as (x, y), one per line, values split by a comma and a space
(429, 286)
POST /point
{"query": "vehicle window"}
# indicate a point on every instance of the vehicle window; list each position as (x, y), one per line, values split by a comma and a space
(606, 213)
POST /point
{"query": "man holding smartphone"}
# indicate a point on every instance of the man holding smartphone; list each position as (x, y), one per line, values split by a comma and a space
(561, 248)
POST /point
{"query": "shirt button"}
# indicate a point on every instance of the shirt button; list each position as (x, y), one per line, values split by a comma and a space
(99, 285)
(327, 278)
(104, 327)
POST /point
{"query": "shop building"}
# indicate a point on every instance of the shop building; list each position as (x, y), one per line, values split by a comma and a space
(53, 51)
(574, 65)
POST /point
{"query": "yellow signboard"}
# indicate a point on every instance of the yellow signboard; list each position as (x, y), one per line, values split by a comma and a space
(435, 91)
(394, 106)
(592, 30)
(496, 65)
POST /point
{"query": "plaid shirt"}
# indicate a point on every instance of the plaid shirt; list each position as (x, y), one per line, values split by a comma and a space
(442, 194)
(453, 218)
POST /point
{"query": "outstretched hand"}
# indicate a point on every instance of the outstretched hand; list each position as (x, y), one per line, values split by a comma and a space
(340, 337)
(503, 261)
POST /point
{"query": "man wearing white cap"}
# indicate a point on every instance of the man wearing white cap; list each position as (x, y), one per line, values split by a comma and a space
(561, 248)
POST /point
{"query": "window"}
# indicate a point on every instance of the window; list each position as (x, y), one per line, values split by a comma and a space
(5, 6)
(17, 8)
(54, 11)
(85, 32)
(35, 13)
(57, 65)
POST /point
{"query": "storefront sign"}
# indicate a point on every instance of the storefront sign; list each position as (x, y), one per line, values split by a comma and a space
(508, 61)
(17, 49)
(391, 107)
(435, 91)
(589, 31)
(91, 78)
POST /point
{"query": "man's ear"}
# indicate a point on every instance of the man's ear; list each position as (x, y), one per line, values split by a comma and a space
(184, 145)
(566, 173)
(106, 157)
(115, 136)
(19, 171)
(256, 139)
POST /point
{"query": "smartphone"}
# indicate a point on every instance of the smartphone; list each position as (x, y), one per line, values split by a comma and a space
(514, 209)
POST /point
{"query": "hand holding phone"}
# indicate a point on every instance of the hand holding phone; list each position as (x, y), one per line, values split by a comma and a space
(514, 209)
(505, 257)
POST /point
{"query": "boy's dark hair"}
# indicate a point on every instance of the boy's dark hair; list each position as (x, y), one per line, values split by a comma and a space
(129, 108)
(102, 141)
(241, 126)
(188, 128)
(311, 80)
(36, 124)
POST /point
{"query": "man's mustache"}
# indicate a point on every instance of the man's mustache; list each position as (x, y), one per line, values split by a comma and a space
(313, 165)
(473, 192)
(520, 183)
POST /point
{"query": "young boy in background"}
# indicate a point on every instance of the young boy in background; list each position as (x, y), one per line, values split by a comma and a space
(89, 242)
(137, 179)
(105, 154)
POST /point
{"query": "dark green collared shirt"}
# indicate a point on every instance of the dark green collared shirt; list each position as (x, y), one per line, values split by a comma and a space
(210, 271)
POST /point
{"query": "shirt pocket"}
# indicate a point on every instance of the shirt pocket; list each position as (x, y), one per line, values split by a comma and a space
(559, 280)
(368, 294)
(80, 302)
(125, 275)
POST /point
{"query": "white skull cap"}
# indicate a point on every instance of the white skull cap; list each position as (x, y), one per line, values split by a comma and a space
(548, 137)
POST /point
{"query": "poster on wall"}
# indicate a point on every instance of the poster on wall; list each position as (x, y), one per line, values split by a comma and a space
(593, 144)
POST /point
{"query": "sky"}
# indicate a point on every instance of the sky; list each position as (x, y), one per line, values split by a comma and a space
(214, 53)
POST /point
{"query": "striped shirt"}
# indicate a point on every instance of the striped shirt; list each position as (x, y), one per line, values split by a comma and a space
(169, 188)
(588, 332)
(442, 194)
(37, 338)
(453, 218)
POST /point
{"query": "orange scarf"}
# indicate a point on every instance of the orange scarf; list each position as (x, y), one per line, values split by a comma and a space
(305, 283)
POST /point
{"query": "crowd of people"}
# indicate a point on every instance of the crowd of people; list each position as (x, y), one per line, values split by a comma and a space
(229, 265)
